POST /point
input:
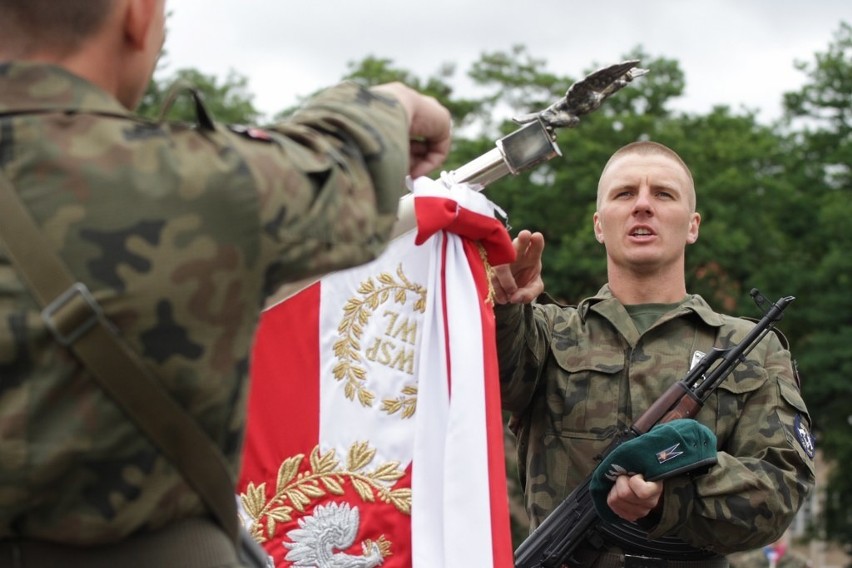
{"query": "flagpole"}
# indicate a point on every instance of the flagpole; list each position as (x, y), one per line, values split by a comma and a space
(530, 145)
(535, 141)
(527, 147)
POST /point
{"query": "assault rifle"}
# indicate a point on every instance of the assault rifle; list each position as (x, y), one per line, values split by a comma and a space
(574, 522)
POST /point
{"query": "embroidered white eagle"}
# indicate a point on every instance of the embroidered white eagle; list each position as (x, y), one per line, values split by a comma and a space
(331, 527)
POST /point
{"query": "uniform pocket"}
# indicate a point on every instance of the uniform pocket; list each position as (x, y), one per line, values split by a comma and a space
(584, 399)
(583, 403)
(730, 397)
(793, 397)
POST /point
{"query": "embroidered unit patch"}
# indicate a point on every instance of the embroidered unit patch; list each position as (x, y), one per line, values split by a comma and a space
(804, 436)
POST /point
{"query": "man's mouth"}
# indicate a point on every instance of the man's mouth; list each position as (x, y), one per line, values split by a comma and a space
(641, 233)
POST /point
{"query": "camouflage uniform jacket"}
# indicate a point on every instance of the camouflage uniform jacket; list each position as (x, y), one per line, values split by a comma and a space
(574, 377)
(180, 233)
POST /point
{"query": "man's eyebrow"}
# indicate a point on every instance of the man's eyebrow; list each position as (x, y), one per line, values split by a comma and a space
(674, 187)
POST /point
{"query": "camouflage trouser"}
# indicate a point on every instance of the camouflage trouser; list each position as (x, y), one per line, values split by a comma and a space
(192, 543)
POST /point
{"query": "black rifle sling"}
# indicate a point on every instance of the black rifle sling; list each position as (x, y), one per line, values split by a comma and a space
(76, 321)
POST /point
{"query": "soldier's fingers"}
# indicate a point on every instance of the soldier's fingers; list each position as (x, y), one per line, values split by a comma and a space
(529, 291)
(536, 245)
(521, 243)
(425, 157)
(625, 503)
(646, 491)
(529, 247)
(430, 126)
(504, 283)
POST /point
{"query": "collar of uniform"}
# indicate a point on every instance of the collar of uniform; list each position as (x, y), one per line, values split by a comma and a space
(41, 87)
(606, 304)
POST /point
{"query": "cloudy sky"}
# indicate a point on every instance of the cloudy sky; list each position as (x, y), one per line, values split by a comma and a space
(735, 52)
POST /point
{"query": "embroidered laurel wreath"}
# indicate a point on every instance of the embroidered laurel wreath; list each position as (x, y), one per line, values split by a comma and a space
(357, 312)
(295, 490)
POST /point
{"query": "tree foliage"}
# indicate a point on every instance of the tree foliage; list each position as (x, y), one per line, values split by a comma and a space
(820, 154)
(228, 100)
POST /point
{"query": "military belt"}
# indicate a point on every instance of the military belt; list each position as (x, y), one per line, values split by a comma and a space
(189, 543)
(621, 560)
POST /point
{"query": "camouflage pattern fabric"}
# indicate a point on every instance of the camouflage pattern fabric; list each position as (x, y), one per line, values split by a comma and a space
(574, 377)
(180, 233)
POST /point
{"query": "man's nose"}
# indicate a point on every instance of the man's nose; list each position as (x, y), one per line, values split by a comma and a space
(643, 201)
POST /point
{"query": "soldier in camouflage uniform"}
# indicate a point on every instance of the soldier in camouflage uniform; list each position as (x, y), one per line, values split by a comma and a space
(575, 376)
(181, 233)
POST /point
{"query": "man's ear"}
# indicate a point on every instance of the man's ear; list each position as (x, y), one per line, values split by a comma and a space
(694, 223)
(138, 15)
(597, 226)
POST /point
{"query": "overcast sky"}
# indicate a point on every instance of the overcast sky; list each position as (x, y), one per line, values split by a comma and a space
(735, 52)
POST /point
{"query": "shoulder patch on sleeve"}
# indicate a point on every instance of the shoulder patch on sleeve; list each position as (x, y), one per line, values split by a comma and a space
(804, 436)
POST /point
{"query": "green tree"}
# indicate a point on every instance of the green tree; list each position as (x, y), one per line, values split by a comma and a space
(228, 101)
(820, 162)
(375, 71)
(734, 161)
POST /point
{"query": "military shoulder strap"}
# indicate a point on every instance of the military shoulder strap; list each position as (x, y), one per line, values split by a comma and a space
(76, 320)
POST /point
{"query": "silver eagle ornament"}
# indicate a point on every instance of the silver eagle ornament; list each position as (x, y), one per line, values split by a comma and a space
(322, 535)
(586, 95)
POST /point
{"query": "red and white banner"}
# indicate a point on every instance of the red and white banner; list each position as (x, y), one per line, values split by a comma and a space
(375, 434)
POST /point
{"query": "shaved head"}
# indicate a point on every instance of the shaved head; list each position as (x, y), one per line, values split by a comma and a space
(648, 148)
(29, 25)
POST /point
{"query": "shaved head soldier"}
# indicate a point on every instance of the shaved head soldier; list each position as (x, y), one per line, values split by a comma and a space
(575, 376)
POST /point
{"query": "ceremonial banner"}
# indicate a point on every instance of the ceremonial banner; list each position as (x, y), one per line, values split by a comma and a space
(375, 434)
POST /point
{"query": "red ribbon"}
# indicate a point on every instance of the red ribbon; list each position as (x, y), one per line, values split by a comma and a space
(442, 214)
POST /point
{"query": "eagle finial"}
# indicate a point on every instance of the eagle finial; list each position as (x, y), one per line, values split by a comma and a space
(586, 95)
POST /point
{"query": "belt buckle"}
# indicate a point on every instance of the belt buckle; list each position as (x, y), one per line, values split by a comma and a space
(83, 315)
(636, 561)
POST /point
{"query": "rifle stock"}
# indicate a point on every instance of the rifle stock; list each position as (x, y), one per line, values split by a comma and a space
(677, 402)
(574, 522)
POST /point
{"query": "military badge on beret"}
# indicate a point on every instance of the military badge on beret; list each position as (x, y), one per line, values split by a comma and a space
(669, 453)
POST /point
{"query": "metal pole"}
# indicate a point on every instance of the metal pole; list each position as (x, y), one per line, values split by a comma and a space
(530, 145)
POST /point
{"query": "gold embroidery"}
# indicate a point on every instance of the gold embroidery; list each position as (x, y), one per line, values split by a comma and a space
(294, 491)
(382, 544)
(356, 315)
(406, 404)
(489, 274)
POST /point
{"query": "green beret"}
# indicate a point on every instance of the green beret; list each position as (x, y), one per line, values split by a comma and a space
(668, 449)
